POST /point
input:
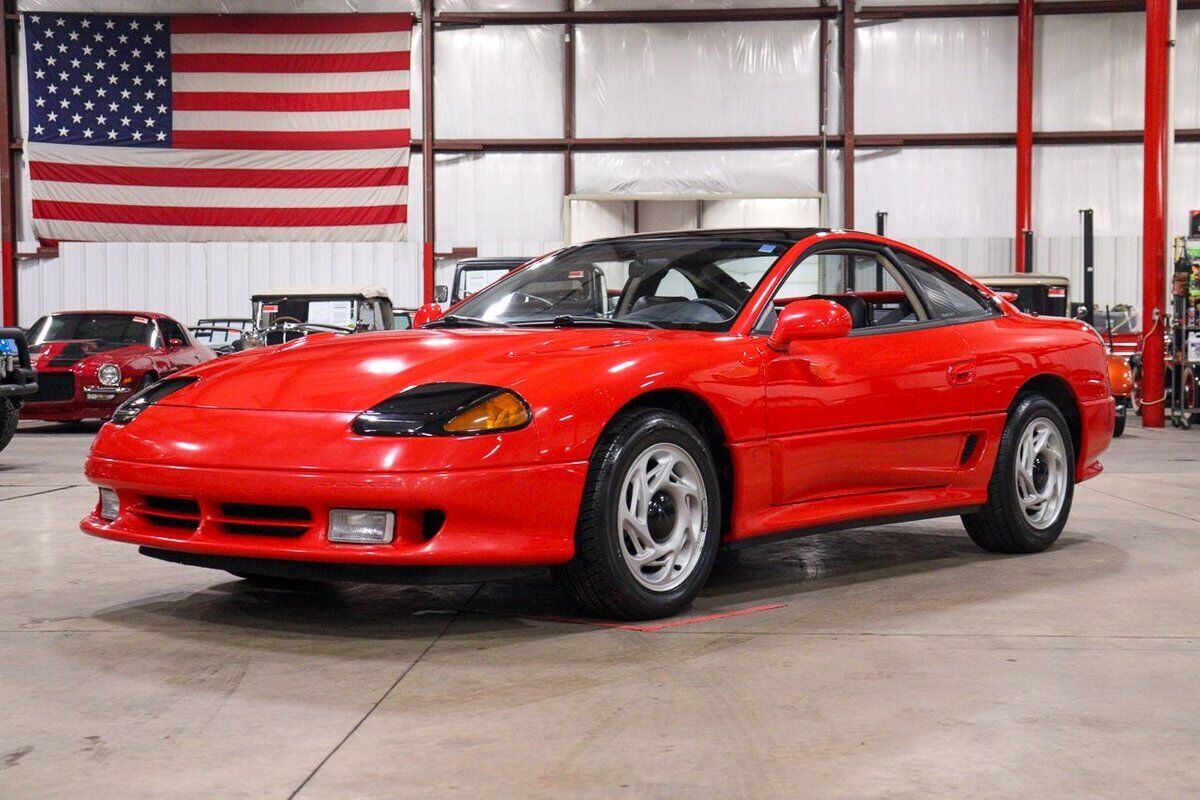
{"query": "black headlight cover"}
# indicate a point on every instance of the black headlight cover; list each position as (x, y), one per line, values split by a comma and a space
(423, 410)
(128, 411)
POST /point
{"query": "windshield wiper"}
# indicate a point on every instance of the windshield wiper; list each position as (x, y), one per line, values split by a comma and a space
(451, 320)
(569, 321)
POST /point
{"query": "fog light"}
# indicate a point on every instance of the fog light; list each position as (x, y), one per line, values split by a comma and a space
(356, 526)
(110, 506)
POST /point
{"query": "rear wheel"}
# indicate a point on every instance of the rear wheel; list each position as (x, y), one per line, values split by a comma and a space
(649, 522)
(1119, 425)
(9, 415)
(1033, 482)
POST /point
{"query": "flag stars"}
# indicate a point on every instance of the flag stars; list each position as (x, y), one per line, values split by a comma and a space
(88, 105)
(88, 78)
(122, 38)
(73, 36)
(63, 132)
(109, 24)
(137, 53)
(162, 109)
(41, 101)
(149, 122)
(52, 116)
(87, 133)
(125, 93)
(158, 26)
(77, 118)
(134, 25)
(101, 120)
(37, 46)
(112, 134)
(125, 121)
(124, 66)
(160, 53)
(38, 130)
(52, 89)
(147, 39)
(137, 80)
(161, 81)
(62, 48)
(85, 23)
(60, 22)
(149, 94)
(161, 136)
(136, 136)
(65, 103)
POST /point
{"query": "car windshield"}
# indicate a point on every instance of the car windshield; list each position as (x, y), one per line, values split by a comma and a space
(1117, 321)
(693, 282)
(337, 311)
(109, 329)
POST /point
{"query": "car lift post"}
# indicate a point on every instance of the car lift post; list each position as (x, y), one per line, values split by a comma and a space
(880, 230)
(1154, 196)
(1089, 268)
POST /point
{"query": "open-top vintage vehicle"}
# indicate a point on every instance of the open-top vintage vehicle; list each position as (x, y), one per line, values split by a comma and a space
(746, 385)
(293, 312)
(18, 380)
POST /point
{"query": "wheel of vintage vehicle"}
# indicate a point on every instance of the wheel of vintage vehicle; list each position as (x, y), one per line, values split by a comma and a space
(649, 521)
(1188, 390)
(9, 416)
(1033, 481)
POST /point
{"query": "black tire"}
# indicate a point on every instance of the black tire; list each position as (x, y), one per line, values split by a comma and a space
(9, 416)
(1119, 425)
(1001, 526)
(598, 578)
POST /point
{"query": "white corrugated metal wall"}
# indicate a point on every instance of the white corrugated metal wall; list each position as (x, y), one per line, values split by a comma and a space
(952, 75)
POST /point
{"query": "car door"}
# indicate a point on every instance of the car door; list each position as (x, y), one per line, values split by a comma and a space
(181, 352)
(884, 409)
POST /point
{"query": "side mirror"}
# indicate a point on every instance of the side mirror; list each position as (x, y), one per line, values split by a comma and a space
(441, 294)
(1009, 296)
(427, 313)
(808, 320)
(175, 344)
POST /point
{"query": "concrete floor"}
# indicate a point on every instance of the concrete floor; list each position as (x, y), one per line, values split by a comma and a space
(903, 662)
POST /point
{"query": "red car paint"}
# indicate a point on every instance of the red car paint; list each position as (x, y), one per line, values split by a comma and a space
(822, 433)
(71, 367)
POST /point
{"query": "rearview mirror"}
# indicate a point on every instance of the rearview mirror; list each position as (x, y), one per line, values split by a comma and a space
(426, 313)
(441, 294)
(808, 320)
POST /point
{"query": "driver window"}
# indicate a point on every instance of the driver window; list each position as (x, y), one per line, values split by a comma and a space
(865, 284)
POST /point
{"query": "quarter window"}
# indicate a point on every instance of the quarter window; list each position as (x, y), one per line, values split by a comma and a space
(949, 296)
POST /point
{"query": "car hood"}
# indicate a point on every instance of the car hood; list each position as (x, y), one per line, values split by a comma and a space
(67, 353)
(328, 373)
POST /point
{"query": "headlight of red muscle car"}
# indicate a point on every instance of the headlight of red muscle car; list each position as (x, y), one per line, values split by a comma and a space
(445, 409)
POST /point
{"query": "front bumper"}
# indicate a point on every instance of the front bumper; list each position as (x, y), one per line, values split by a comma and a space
(71, 410)
(494, 517)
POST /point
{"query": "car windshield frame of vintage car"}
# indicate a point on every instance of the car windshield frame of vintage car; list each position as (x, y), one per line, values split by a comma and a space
(39, 333)
(673, 281)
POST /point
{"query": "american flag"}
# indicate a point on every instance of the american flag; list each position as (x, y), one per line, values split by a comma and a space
(280, 127)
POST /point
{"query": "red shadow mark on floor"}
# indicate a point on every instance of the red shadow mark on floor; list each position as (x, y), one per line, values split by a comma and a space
(651, 627)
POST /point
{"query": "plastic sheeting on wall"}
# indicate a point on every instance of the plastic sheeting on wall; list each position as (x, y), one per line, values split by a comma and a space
(1187, 70)
(938, 191)
(499, 82)
(1081, 87)
(753, 78)
(782, 172)
(937, 76)
(1066, 179)
(674, 5)
(503, 203)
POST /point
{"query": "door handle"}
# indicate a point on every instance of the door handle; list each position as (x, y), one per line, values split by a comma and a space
(961, 374)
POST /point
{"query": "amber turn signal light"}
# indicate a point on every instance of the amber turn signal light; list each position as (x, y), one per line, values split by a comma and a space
(500, 412)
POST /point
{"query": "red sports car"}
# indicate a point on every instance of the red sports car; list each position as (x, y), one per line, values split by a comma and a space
(747, 384)
(89, 362)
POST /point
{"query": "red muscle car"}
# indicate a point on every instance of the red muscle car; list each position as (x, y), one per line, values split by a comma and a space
(89, 362)
(747, 384)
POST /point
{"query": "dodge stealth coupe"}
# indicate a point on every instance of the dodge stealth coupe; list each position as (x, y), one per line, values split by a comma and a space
(617, 411)
(89, 362)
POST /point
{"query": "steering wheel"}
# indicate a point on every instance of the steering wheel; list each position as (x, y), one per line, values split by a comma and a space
(278, 320)
(532, 298)
(724, 309)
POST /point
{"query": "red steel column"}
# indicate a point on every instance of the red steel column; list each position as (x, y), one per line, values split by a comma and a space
(8, 212)
(1024, 128)
(427, 149)
(848, 43)
(1154, 203)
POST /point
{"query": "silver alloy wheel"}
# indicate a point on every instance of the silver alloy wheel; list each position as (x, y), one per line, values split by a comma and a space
(662, 517)
(1041, 473)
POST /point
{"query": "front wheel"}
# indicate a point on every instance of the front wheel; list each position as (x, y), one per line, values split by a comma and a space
(650, 519)
(1033, 482)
